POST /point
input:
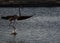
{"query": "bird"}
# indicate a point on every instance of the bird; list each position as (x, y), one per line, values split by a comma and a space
(15, 17)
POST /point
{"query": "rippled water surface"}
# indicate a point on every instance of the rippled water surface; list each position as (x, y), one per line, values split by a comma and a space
(43, 27)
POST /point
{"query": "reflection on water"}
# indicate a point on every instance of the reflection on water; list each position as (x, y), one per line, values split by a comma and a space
(13, 40)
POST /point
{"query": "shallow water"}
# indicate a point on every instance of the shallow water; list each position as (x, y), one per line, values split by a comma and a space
(43, 27)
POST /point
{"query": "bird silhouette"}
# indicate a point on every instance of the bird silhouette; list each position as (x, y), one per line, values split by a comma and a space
(15, 17)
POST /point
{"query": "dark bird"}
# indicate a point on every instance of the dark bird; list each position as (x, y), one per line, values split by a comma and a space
(15, 17)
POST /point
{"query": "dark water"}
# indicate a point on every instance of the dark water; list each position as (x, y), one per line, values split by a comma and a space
(43, 27)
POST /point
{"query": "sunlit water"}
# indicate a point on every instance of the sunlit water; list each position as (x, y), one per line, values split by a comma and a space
(43, 27)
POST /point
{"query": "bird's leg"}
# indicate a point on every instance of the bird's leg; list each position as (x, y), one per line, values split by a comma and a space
(14, 29)
(14, 23)
(10, 22)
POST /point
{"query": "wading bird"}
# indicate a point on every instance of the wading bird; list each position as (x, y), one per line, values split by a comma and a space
(15, 17)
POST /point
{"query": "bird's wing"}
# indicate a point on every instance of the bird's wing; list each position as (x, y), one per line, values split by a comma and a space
(23, 17)
(7, 17)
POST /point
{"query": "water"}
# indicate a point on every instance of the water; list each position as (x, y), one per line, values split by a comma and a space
(43, 27)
